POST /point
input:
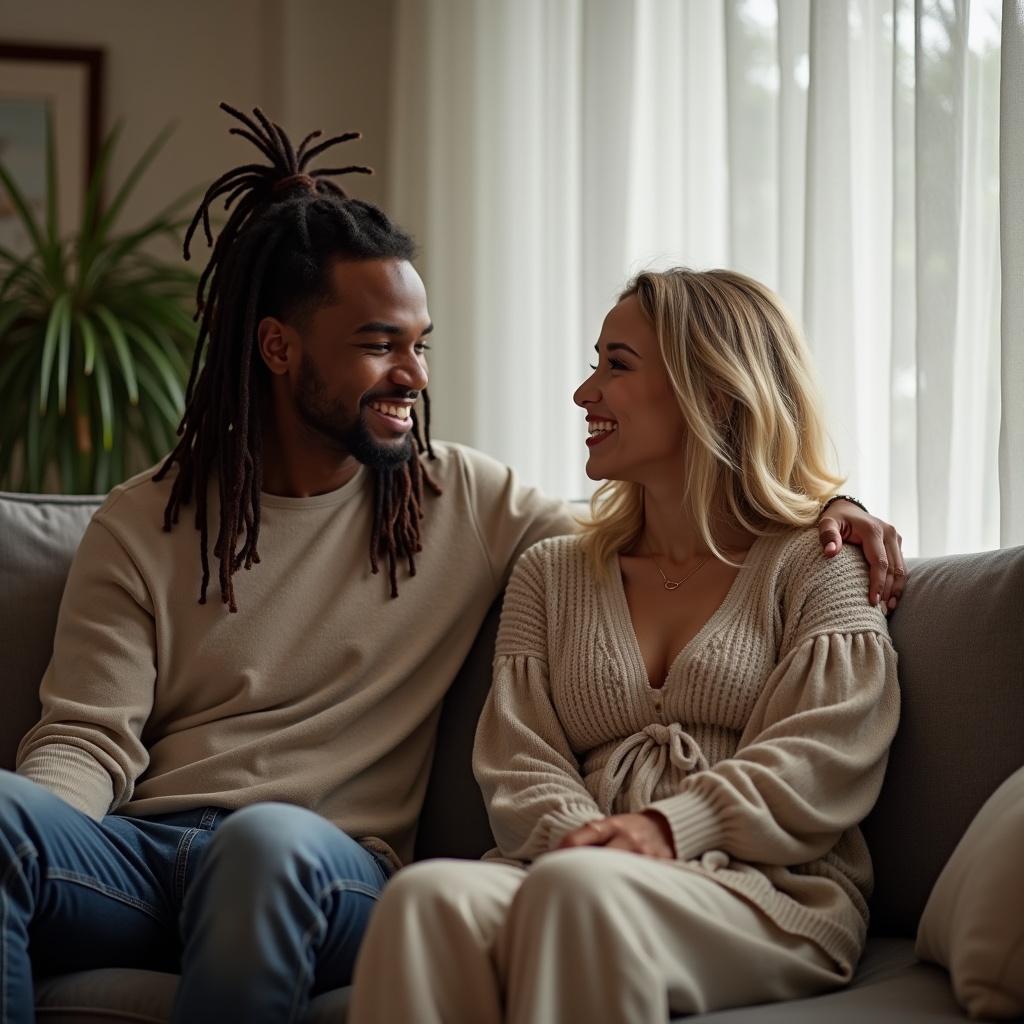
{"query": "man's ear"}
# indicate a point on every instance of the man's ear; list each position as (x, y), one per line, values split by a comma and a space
(278, 344)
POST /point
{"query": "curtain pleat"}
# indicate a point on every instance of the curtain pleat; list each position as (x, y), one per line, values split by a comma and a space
(941, 49)
(794, 27)
(1011, 202)
(828, 310)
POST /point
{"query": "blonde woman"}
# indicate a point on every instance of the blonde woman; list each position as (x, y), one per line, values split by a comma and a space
(691, 709)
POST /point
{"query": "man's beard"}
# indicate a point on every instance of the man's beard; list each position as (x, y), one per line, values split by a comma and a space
(332, 419)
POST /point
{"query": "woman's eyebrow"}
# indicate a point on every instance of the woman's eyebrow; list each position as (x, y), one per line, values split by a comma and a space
(617, 346)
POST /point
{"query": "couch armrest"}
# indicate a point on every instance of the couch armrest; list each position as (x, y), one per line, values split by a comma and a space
(38, 537)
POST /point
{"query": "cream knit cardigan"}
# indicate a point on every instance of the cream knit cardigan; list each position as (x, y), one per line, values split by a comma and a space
(764, 748)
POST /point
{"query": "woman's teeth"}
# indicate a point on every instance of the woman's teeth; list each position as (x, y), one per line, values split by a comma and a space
(600, 426)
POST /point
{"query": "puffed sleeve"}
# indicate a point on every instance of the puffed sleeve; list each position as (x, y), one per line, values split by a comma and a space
(522, 760)
(810, 762)
(97, 692)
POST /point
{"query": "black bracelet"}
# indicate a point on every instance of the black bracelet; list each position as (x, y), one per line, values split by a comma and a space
(843, 497)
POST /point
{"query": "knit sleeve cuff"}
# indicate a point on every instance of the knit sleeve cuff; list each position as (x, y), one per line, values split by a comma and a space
(560, 823)
(696, 827)
(72, 774)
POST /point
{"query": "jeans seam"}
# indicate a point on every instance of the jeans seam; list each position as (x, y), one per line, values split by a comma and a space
(123, 897)
(181, 867)
(361, 889)
(13, 868)
(319, 923)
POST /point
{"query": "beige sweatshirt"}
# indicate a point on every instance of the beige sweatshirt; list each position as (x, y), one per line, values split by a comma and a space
(764, 748)
(321, 691)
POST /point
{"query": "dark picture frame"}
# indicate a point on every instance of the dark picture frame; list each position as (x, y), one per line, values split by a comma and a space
(62, 83)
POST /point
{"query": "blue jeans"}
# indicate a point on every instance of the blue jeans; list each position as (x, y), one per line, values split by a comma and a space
(259, 908)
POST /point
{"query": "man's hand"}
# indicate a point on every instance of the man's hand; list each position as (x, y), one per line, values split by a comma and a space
(647, 834)
(882, 545)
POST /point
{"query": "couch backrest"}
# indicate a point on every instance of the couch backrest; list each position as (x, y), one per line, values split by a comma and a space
(959, 632)
(38, 536)
(454, 819)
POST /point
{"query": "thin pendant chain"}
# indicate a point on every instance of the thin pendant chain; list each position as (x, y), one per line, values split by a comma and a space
(671, 584)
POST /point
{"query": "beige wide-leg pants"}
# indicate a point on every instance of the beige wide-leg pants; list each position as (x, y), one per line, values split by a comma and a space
(583, 935)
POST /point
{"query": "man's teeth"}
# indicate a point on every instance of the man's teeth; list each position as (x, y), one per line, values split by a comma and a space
(600, 426)
(400, 412)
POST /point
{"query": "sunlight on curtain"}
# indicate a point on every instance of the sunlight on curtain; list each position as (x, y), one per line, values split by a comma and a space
(846, 152)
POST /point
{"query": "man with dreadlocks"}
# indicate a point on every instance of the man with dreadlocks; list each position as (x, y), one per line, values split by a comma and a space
(226, 786)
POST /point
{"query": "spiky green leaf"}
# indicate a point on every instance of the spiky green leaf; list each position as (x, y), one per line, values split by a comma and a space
(148, 156)
(125, 360)
(63, 359)
(89, 342)
(153, 387)
(52, 229)
(94, 193)
(54, 327)
(104, 394)
(171, 380)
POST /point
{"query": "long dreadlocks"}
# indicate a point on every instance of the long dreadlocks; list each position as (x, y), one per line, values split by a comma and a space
(273, 257)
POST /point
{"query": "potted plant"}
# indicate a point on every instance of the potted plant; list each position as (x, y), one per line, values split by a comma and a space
(95, 340)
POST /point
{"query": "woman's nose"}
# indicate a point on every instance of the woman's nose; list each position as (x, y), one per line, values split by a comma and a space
(587, 392)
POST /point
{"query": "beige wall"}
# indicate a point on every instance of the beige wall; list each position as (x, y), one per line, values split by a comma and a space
(307, 63)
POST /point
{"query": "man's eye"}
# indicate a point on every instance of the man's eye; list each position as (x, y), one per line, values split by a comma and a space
(422, 347)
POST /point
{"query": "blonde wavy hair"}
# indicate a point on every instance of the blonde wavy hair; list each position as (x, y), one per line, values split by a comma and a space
(755, 445)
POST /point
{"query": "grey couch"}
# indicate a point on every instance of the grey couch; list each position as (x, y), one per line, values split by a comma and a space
(960, 640)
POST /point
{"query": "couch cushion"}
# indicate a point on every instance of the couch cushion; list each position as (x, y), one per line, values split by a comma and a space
(958, 632)
(38, 536)
(106, 996)
(973, 922)
(118, 995)
(890, 987)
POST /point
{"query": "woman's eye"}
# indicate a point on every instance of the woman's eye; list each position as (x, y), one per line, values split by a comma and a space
(616, 364)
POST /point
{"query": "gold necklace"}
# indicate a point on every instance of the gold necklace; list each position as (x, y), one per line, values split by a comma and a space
(671, 584)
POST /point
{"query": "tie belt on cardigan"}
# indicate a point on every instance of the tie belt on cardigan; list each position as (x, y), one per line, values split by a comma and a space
(637, 764)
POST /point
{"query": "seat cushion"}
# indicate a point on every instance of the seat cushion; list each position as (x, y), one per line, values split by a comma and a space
(890, 987)
(117, 995)
(109, 996)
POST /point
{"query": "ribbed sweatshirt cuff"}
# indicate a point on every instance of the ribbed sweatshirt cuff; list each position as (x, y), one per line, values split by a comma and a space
(73, 775)
(696, 827)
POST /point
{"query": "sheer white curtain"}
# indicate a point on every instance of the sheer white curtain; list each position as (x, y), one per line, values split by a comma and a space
(863, 157)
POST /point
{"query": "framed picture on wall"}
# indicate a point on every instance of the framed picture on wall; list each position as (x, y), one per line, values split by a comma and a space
(66, 85)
